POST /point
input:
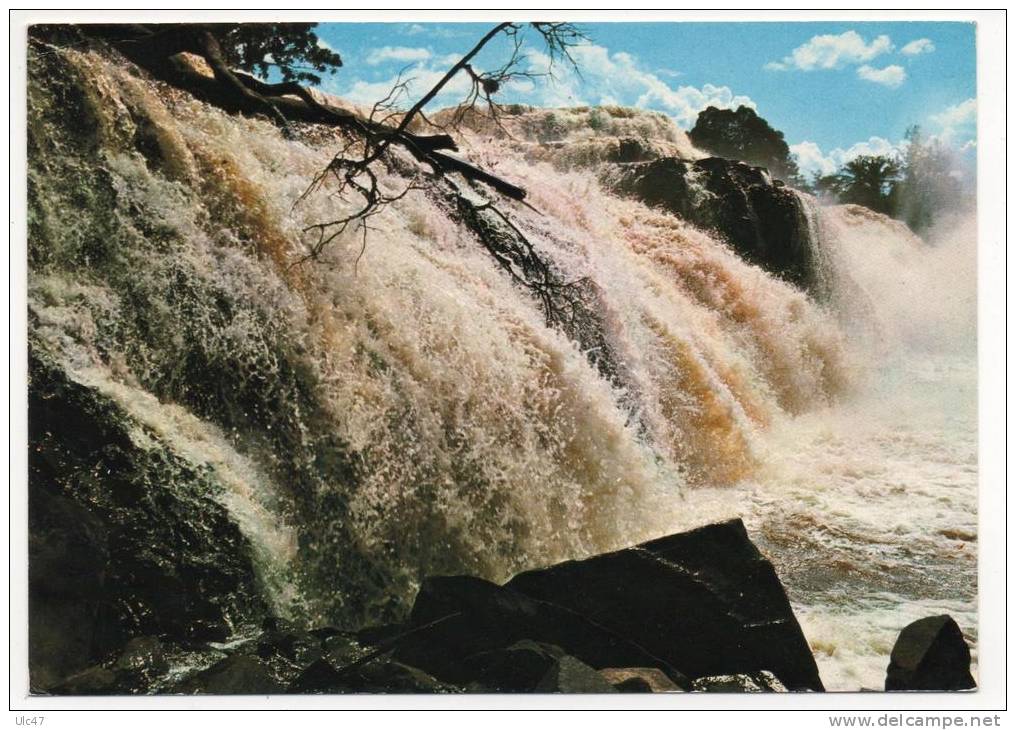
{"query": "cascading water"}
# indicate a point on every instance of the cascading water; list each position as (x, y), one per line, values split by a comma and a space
(402, 408)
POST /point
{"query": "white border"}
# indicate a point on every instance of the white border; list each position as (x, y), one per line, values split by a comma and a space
(992, 302)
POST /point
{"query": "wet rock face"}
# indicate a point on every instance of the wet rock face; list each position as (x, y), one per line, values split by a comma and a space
(125, 540)
(930, 654)
(761, 218)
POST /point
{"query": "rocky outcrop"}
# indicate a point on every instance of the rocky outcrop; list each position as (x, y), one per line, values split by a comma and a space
(761, 218)
(125, 539)
(704, 602)
(697, 604)
(696, 611)
(930, 654)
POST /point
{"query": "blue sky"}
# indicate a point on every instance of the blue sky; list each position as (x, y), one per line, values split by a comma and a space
(835, 89)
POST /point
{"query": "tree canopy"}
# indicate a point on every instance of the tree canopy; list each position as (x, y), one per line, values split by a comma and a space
(294, 49)
(917, 185)
(742, 134)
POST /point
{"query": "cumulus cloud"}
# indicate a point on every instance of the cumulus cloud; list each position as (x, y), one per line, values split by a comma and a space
(813, 161)
(832, 51)
(618, 78)
(917, 47)
(957, 124)
(891, 76)
(397, 53)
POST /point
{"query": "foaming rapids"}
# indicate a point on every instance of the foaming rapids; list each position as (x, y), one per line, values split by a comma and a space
(400, 406)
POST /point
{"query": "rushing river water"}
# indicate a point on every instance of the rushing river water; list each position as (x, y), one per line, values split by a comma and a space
(403, 408)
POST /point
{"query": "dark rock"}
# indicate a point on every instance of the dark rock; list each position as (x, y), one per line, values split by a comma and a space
(321, 677)
(930, 654)
(378, 676)
(207, 629)
(638, 679)
(326, 632)
(70, 622)
(705, 602)
(633, 149)
(97, 680)
(392, 677)
(239, 674)
(765, 223)
(143, 659)
(739, 683)
(458, 617)
(376, 635)
(343, 649)
(300, 647)
(517, 668)
(569, 675)
(124, 540)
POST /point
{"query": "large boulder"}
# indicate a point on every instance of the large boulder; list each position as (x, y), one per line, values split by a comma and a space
(764, 221)
(698, 604)
(238, 674)
(705, 602)
(930, 654)
(638, 680)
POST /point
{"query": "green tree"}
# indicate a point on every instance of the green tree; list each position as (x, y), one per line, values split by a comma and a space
(870, 180)
(742, 134)
(294, 49)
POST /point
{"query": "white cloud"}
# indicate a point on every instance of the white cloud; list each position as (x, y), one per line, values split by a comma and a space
(891, 76)
(957, 124)
(617, 78)
(832, 51)
(917, 47)
(397, 53)
(811, 160)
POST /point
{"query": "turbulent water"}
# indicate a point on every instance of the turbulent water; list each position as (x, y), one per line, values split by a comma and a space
(401, 407)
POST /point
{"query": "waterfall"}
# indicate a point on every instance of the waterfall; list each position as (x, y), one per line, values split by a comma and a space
(401, 406)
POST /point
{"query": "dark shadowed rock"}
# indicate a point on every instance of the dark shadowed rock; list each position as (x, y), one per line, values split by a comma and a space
(387, 676)
(239, 674)
(516, 668)
(457, 617)
(705, 602)
(763, 221)
(569, 675)
(378, 676)
(143, 658)
(70, 622)
(92, 681)
(739, 683)
(321, 677)
(299, 647)
(930, 654)
(638, 679)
